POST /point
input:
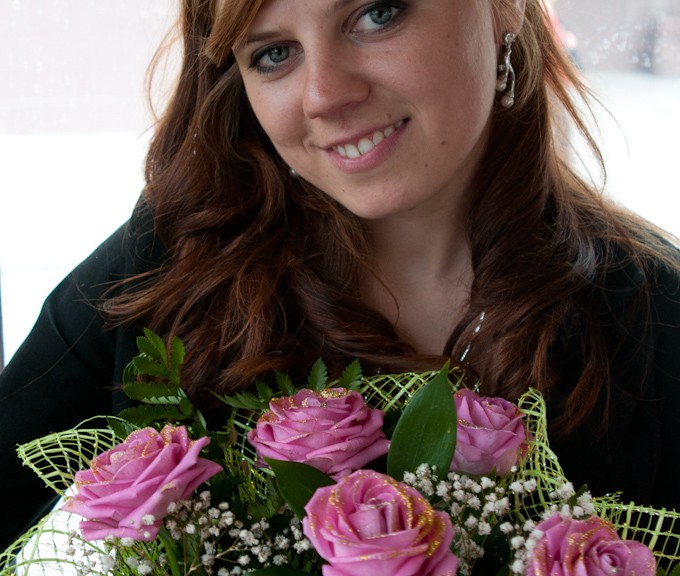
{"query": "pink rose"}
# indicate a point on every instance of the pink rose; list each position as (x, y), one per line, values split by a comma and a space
(491, 434)
(127, 490)
(587, 548)
(332, 430)
(369, 524)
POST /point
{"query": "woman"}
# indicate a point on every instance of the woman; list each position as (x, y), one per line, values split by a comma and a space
(387, 181)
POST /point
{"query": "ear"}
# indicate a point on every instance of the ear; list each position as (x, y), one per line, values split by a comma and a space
(509, 16)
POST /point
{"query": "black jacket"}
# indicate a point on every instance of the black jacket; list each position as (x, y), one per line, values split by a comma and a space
(68, 369)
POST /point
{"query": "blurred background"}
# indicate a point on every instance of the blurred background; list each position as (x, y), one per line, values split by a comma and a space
(74, 123)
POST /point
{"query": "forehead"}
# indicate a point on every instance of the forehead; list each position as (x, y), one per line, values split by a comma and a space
(231, 20)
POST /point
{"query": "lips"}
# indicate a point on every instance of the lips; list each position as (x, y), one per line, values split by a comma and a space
(367, 143)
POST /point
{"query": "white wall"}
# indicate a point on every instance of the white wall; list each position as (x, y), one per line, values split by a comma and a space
(74, 126)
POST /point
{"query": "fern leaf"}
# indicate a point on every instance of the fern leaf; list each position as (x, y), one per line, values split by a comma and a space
(244, 400)
(351, 377)
(264, 391)
(120, 428)
(176, 355)
(318, 377)
(155, 392)
(152, 415)
(152, 345)
(284, 383)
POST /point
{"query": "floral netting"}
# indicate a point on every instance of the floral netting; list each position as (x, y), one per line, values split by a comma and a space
(56, 458)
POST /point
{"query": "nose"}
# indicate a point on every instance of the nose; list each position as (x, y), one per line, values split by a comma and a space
(333, 82)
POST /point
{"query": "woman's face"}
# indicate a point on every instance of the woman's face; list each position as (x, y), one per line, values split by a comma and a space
(384, 106)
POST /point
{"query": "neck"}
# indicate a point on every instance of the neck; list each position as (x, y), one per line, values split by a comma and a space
(424, 278)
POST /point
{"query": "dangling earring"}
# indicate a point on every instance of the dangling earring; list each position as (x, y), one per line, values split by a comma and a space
(506, 75)
(293, 173)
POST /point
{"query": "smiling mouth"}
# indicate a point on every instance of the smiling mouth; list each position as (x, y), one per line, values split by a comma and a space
(367, 144)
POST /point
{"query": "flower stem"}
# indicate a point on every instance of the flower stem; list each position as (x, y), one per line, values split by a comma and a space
(170, 552)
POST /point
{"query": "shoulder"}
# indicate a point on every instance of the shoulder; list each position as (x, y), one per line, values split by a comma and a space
(627, 280)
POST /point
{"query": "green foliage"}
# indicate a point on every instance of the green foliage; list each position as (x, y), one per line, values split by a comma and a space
(318, 376)
(244, 401)
(351, 377)
(317, 381)
(285, 384)
(298, 482)
(152, 378)
(496, 559)
(426, 431)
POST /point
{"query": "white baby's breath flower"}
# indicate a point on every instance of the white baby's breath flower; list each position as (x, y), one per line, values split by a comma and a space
(566, 491)
(148, 519)
(484, 529)
(302, 546)
(279, 560)
(107, 561)
(487, 483)
(144, 568)
(443, 489)
(409, 478)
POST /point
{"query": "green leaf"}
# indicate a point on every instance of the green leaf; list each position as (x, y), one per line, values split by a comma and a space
(244, 400)
(154, 392)
(264, 391)
(150, 367)
(186, 407)
(298, 482)
(285, 384)
(120, 428)
(351, 377)
(426, 431)
(151, 415)
(153, 345)
(676, 570)
(176, 354)
(318, 377)
(497, 553)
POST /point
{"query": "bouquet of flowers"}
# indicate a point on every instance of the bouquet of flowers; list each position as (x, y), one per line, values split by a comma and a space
(407, 475)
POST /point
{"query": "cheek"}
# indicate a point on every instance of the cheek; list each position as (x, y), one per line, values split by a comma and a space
(278, 111)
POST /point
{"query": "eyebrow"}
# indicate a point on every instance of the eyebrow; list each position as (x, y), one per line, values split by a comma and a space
(272, 34)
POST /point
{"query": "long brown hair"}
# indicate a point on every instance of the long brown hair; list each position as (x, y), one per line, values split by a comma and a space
(263, 269)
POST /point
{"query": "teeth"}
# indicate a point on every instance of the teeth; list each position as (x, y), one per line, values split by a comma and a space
(366, 144)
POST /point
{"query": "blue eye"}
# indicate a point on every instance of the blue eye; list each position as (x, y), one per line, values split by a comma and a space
(271, 57)
(379, 16)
